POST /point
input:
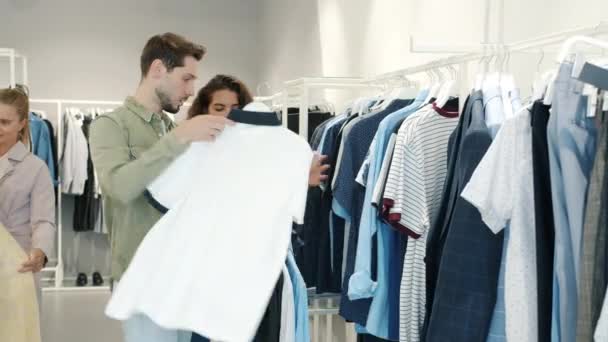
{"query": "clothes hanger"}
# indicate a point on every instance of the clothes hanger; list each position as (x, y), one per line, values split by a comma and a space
(434, 91)
(447, 90)
(565, 54)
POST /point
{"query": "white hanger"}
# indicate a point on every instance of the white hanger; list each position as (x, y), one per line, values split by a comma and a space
(448, 89)
(566, 50)
(435, 86)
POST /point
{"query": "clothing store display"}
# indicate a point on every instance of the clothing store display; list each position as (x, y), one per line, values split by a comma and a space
(361, 285)
(349, 196)
(130, 141)
(266, 198)
(19, 318)
(463, 255)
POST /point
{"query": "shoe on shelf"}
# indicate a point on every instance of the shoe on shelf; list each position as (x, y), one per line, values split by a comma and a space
(82, 280)
(97, 279)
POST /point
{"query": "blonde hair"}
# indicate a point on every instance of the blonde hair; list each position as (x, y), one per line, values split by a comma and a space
(18, 98)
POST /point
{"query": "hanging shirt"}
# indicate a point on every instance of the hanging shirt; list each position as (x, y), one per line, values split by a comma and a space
(74, 157)
(361, 283)
(231, 206)
(507, 170)
(349, 196)
(419, 188)
(41, 142)
(300, 300)
(288, 311)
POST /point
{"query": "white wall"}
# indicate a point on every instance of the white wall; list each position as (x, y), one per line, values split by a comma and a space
(91, 49)
(368, 37)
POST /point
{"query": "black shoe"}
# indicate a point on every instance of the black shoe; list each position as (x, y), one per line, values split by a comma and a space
(97, 279)
(82, 280)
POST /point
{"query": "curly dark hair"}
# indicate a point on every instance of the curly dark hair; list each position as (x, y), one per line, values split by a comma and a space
(201, 103)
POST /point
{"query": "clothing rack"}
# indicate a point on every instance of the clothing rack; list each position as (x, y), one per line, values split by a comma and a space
(13, 56)
(61, 104)
(301, 88)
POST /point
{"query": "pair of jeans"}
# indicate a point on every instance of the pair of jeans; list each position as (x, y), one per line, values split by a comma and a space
(571, 135)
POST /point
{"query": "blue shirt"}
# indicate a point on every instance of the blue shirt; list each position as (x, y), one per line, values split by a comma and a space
(300, 300)
(349, 196)
(41, 142)
(361, 284)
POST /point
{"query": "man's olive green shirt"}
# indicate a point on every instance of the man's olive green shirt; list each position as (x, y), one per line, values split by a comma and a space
(130, 147)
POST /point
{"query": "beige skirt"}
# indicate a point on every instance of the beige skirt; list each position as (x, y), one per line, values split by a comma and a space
(19, 316)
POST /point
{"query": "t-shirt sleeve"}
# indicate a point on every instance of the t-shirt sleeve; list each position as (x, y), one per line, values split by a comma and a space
(491, 186)
(172, 185)
(413, 195)
(386, 162)
(297, 205)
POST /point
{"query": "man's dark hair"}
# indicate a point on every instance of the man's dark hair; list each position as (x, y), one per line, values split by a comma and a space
(171, 49)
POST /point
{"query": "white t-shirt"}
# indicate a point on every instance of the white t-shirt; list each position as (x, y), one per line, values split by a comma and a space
(421, 182)
(502, 189)
(211, 263)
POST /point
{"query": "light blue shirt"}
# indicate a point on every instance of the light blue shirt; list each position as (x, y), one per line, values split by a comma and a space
(361, 284)
(41, 143)
(300, 296)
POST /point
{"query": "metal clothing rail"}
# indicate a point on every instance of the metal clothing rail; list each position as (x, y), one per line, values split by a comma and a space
(301, 88)
(13, 56)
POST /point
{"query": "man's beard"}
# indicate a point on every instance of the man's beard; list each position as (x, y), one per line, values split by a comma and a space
(165, 102)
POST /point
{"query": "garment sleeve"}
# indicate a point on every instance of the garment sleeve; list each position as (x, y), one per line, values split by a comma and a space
(298, 199)
(361, 285)
(120, 176)
(491, 187)
(42, 214)
(413, 218)
(391, 203)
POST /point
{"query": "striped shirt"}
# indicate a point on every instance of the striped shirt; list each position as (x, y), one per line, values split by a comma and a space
(420, 166)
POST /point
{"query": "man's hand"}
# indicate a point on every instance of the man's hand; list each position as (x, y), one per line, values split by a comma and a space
(34, 263)
(318, 170)
(201, 128)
